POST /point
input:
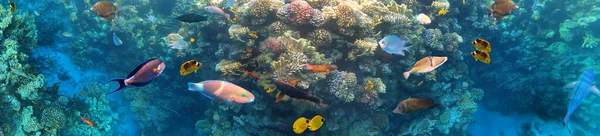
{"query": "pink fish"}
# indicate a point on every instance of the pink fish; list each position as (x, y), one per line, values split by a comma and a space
(142, 75)
(222, 90)
(216, 10)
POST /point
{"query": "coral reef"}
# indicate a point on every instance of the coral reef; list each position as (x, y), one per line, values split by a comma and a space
(343, 85)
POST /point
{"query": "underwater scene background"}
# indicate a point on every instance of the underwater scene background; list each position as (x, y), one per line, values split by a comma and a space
(295, 67)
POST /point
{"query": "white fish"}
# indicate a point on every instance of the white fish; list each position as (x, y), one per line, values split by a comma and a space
(394, 45)
(178, 44)
(116, 39)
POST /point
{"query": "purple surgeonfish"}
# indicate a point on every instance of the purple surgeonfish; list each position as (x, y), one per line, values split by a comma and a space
(394, 45)
(216, 10)
(222, 90)
(142, 75)
(581, 89)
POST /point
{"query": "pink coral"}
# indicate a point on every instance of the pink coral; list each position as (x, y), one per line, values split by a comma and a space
(369, 97)
(297, 13)
(272, 44)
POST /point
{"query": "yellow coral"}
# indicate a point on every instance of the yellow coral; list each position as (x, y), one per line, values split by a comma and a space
(229, 67)
(439, 5)
(589, 41)
(237, 31)
(363, 47)
(346, 16)
(402, 9)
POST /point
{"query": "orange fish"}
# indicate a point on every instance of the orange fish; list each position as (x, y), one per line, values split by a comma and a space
(320, 68)
(502, 8)
(270, 90)
(253, 35)
(294, 81)
(252, 74)
(87, 121)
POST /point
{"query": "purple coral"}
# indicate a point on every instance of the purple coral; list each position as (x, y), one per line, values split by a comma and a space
(297, 13)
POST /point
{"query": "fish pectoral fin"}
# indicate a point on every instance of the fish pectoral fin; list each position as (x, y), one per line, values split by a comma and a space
(594, 90)
(570, 85)
(279, 97)
(232, 99)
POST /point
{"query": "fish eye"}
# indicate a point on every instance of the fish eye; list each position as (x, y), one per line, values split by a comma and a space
(323, 120)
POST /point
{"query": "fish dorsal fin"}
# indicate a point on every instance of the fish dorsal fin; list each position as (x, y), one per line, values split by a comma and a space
(139, 67)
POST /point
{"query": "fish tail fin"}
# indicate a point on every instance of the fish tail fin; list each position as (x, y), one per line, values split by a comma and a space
(121, 82)
(408, 48)
(279, 97)
(195, 87)
(406, 74)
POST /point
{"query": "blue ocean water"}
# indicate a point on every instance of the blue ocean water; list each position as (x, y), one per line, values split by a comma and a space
(271, 67)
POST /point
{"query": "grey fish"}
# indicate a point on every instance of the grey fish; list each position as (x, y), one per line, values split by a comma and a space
(142, 75)
(216, 10)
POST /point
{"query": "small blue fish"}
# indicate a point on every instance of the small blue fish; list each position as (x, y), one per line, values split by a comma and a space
(116, 40)
(581, 89)
(394, 45)
(566, 59)
(530, 68)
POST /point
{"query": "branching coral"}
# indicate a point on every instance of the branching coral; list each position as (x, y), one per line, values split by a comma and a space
(29, 123)
(228, 67)
(346, 15)
(288, 64)
(363, 47)
(422, 127)
(278, 28)
(320, 37)
(272, 44)
(52, 116)
(589, 41)
(433, 38)
(343, 85)
(237, 32)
